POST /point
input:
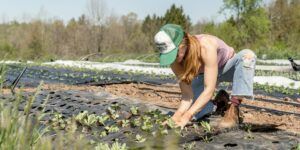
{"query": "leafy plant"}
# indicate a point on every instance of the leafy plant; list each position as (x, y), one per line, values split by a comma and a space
(103, 133)
(155, 113)
(57, 122)
(134, 110)
(136, 122)
(71, 125)
(124, 123)
(115, 116)
(89, 120)
(164, 131)
(111, 111)
(81, 116)
(115, 146)
(115, 106)
(189, 146)
(147, 126)
(206, 126)
(171, 123)
(139, 138)
(208, 130)
(249, 135)
(112, 128)
(102, 119)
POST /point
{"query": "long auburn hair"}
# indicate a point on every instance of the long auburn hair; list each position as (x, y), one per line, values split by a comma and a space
(191, 62)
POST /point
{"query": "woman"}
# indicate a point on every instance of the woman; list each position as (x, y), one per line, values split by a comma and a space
(200, 62)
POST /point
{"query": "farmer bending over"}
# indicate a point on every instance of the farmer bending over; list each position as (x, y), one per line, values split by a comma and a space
(200, 62)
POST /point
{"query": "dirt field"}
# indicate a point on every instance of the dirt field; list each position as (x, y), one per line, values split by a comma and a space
(169, 96)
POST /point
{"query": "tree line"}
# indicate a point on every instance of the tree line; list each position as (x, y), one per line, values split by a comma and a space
(272, 31)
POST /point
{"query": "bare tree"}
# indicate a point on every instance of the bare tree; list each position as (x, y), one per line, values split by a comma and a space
(96, 12)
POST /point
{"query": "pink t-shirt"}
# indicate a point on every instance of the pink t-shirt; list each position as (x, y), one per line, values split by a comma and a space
(224, 52)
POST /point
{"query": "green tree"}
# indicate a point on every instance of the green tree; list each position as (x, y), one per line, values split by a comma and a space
(176, 15)
(250, 20)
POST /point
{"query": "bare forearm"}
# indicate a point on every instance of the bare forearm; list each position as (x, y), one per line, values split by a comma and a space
(186, 99)
(200, 102)
(185, 104)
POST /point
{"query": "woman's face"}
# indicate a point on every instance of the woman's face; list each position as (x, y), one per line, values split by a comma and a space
(181, 53)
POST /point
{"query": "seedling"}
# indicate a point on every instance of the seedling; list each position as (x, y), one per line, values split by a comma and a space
(112, 128)
(103, 133)
(124, 123)
(206, 139)
(249, 135)
(164, 131)
(146, 118)
(114, 146)
(115, 116)
(206, 126)
(90, 120)
(136, 122)
(147, 126)
(71, 125)
(139, 138)
(171, 123)
(189, 146)
(102, 119)
(81, 116)
(207, 129)
(115, 106)
(156, 113)
(134, 110)
(110, 110)
(58, 122)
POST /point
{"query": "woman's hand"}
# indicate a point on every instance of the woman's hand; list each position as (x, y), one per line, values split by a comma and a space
(176, 117)
(184, 120)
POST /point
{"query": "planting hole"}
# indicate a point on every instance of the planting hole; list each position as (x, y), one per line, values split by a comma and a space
(275, 142)
(48, 110)
(40, 108)
(230, 145)
(68, 107)
(62, 105)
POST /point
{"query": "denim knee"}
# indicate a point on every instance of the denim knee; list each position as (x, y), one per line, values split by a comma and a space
(248, 58)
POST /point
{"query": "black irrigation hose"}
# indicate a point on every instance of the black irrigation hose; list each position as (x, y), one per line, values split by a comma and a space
(272, 111)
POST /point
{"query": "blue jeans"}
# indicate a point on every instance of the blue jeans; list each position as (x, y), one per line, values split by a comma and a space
(238, 70)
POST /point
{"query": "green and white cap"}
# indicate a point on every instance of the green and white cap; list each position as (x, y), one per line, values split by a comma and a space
(167, 40)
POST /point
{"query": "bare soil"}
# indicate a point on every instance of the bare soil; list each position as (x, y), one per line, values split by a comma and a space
(168, 95)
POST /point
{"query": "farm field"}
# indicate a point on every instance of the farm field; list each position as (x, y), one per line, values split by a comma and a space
(125, 103)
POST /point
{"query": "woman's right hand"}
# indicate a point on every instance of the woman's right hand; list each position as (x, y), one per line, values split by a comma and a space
(176, 117)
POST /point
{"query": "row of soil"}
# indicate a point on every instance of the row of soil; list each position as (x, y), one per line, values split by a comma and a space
(61, 102)
(34, 74)
(169, 96)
